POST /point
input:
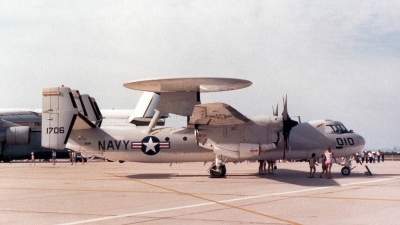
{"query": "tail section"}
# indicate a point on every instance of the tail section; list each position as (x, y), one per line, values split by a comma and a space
(59, 114)
(87, 106)
(93, 112)
(144, 111)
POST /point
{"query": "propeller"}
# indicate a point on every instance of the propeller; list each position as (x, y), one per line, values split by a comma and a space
(288, 124)
(275, 113)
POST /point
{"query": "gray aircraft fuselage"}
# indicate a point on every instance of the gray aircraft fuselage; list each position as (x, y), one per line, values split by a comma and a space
(169, 145)
(17, 151)
(23, 151)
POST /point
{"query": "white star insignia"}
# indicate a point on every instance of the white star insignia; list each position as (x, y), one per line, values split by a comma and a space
(150, 145)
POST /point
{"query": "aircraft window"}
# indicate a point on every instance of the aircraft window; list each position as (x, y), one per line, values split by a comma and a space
(185, 138)
(341, 128)
(338, 128)
(167, 139)
(331, 129)
(344, 129)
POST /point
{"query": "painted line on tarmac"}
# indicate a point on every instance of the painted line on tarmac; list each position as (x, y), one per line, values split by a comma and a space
(345, 198)
(98, 190)
(223, 203)
(213, 202)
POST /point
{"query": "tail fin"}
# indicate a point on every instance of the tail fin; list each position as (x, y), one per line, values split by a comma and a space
(93, 112)
(87, 106)
(58, 117)
(144, 111)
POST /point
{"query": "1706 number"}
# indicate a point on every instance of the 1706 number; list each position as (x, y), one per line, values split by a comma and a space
(55, 130)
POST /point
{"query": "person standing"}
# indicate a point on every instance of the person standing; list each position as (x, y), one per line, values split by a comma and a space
(312, 163)
(378, 154)
(362, 156)
(261, 169)
(74, 157)
(32, 159)
(54, 155)
(83, 159)
(370, 156)
(383, 156)
(323, 166)
(70, 156)
(270, 166)
(328, 161)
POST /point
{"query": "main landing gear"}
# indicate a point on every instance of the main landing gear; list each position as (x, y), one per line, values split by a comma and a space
(217, 169)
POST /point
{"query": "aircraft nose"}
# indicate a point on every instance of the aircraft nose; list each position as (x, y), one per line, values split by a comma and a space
(360, 140)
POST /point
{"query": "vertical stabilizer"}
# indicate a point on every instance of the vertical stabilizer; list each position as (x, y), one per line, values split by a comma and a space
(145, 110)
(79, 102)
(93, 112)
(58, 117)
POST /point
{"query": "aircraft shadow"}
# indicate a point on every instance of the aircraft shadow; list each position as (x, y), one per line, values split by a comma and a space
(162, 175)
(302, 177)
(294, 177)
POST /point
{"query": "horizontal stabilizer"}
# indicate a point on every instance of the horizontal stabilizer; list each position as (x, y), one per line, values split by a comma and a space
(82, 123)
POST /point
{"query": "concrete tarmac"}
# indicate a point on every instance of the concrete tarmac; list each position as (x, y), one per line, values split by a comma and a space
(136, 193)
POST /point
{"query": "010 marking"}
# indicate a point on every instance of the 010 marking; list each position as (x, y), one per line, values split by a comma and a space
(345, 141)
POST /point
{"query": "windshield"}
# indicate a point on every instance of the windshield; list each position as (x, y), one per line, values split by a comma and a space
(337, 128)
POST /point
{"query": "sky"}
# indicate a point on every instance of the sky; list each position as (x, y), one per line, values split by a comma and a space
(335, 60)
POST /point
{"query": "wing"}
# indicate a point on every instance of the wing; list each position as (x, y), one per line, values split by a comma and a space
(22, 116)
(216, 114)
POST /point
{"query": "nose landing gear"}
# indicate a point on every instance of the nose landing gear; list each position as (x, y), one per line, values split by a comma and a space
(346, 170)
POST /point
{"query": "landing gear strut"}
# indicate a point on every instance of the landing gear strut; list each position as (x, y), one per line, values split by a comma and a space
(217, 169)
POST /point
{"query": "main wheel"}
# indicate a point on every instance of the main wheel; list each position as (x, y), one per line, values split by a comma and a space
(218, 174)
(346, 171)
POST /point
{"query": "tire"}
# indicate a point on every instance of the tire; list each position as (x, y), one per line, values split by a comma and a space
(218, 174)
(346, 171)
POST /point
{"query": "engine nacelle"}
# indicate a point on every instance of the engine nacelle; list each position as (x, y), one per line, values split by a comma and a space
(17, 135)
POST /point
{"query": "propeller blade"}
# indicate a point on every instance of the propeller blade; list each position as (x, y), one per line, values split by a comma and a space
(275, 111)
(285, 114)
(288, 124)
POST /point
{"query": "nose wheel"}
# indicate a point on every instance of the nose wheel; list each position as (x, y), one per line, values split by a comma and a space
(346, 170)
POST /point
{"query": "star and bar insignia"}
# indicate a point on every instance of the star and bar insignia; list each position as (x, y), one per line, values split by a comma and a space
(150, 145)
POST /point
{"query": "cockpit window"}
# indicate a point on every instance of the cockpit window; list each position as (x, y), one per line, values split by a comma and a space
(337, 128)
(342, 128)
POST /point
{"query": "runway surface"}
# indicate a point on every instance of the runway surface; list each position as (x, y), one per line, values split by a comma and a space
(136, 193)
